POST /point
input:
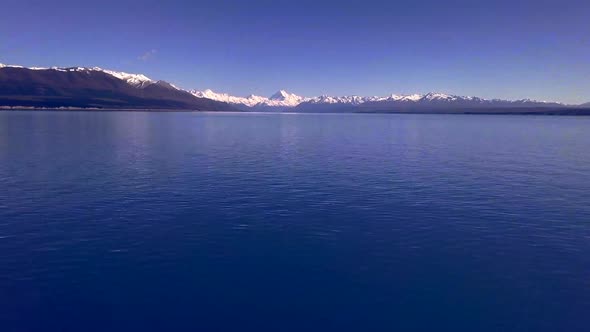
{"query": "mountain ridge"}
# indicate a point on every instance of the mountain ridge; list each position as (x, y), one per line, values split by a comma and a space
(285, 101)
(94, 87)
(82, 87)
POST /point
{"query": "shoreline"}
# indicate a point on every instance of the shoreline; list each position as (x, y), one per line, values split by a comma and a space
(548, 112)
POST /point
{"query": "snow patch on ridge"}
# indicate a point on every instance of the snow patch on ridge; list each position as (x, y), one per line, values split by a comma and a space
(136, 80)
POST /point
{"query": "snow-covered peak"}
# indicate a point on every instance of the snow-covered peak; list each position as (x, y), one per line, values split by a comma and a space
(286, 98)
(280, 99)
(396, 97)
(281, 95)
(137, 80)
(414, 97)
(438, 96)
(249, 101)
(352, 100)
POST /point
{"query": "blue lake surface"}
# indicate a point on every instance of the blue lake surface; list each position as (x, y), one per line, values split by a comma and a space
(132, 221)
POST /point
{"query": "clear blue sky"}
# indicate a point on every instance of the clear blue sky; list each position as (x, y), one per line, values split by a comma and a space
(490, 48)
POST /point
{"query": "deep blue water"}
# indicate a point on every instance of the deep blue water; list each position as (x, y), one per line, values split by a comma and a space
(266, 222)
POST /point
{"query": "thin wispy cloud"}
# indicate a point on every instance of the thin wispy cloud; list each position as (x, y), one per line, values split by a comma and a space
(147, 55)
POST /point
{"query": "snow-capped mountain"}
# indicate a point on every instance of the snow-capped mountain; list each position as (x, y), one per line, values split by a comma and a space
(97, 87)
(249, 101)
(135, 80)
(283, 100)
(280, 100)
(93, 87)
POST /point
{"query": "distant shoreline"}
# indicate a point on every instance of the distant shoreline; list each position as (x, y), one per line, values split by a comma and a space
(94, 109)
(547, 112)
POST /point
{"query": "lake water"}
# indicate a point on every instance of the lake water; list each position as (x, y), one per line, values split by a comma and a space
(138, 221)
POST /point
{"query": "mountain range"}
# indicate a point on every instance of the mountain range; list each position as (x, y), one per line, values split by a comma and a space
(284, 101)
(81, 87)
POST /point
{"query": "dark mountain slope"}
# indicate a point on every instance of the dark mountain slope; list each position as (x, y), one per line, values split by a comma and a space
(83, 87)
